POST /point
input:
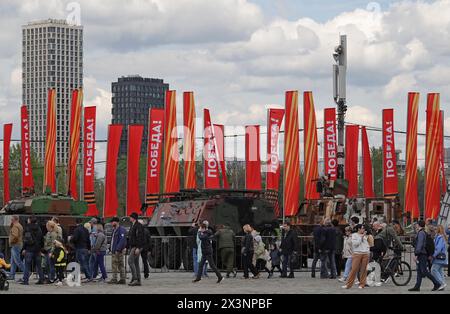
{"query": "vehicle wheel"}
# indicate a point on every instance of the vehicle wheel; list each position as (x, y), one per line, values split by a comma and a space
(402, 274)
(174, 254)
(188, 262)
(155, 254)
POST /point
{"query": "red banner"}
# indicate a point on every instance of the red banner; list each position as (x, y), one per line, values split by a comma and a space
(89, 160)
(291, 156)
(311, 147)
(190, 182)
(432, 164)
(75, 125)
(442, 155)
(390, 177)
(27, 170)
(275, 120)
(154, 157)
(211, 168)
(253, 180)
(171, 153)
(351, 159)
(219, 135)
(135, 134)
(411, 182)
(7, 131)
(367, 165)
(111, 203)
(50, 144)
(330, 143)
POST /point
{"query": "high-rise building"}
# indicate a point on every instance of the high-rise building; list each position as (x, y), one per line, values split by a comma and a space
(52, 57)
(132, 97)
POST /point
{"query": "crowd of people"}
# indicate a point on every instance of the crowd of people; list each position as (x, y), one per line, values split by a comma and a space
(345, 256)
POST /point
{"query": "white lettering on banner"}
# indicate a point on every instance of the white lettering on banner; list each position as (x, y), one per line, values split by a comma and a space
(274, 159)
(26, 135)
(331, 148)
(155, 144)
(389, 153)
(90, 147)
(211, 157)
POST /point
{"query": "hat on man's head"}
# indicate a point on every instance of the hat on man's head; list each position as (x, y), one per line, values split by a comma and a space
(135, 216)
(115, 219)
(93, 221)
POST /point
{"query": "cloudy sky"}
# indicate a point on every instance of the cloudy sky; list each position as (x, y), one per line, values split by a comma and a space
(240, 56)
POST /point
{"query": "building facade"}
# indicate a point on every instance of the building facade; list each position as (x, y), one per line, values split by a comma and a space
(132, 97)
(52, 57)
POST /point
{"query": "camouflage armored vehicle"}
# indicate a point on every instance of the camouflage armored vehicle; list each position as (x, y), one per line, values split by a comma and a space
(69, 212)
(175, 214)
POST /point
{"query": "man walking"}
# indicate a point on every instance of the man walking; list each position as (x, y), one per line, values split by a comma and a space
(327, 252)
(16, 244)
(136, 245)
(248, 250)
(288, 247)
(318, 238)
(225, 240)
(146, 250)
(421, 258)
(118, 251)
(82, 245)
(33, 243)
(206, 236)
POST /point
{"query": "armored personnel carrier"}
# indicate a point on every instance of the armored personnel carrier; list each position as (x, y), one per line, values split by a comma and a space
(174, 215)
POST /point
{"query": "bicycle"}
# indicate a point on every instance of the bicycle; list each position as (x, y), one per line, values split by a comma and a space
(399, 271)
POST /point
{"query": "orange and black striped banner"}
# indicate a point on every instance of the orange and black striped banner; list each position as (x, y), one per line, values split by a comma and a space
(190, 182)
(171, 153)
(219, 135)
(75, 125)
(50, 144)
(311, 147)
(367, 166)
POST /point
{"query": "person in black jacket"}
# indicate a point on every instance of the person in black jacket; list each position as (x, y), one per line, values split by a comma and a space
(328, 251)
(33, 243)
(248, 250)
(82, 244)
(288, 247)
(146, 250)
(339, 247)
(206, 237)
(318, 233)
(136, 243)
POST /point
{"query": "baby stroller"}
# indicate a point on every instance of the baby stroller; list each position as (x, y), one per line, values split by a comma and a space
(4, 284)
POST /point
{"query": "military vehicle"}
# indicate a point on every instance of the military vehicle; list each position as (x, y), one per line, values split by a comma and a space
(69, 212)
(174, 215)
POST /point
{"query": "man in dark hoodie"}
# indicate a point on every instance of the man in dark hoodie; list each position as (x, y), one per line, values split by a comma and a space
(288, 247)
(206, 237)
(33, 243)
(82, 244)
(136, 244)
(248, 250)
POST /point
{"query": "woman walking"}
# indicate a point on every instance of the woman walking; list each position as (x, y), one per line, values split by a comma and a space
(440, 258)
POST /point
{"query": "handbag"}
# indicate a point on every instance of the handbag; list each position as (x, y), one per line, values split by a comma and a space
(441, 257)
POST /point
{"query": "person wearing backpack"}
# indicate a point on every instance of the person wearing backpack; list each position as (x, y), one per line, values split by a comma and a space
(424, 249)
(33, 243)
(440, 258)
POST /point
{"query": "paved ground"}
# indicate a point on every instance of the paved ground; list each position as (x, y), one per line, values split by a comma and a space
(180, 283)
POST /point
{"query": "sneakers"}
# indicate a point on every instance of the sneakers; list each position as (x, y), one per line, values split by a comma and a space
(196, 280)
(59, 284)
(220, 280)
(135, 284)
(342, 279)
(345, 287)
(414, 289)
(442, 288)
(360, 287)
(356, 282)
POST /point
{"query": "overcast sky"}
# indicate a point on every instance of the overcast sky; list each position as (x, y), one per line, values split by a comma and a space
(240, 56)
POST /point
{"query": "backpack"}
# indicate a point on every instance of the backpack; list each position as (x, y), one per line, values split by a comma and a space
(429, 245)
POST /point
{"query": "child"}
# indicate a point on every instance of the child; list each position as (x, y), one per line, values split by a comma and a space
(275, 258)
(60, 260)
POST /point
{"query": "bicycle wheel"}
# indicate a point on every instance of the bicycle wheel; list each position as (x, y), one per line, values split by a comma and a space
(402, 274)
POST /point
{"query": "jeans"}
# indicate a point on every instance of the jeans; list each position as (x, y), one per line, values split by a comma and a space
(82, 256)
(30, 258)
(287, 261)
(327, 255)
(100, 263)
(422, 271)
(144, 256)
(133, 262)
(195, 257)
(314, 263)
(16, 261)
(348, 268)
(50, 268)
(437, 271)
(93, 270)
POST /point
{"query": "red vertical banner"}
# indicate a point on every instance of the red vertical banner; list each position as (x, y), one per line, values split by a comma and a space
(432, 163)
(442, 154)
(275, 120)
(367, 165)
(171, 153)
(190, 182)
(7, 131)
(111, 202)
(75, 125)
(351, 159)
(390, 176)
(219, 135)
(154, 158)
(311, 147)
(50, 144)
(291, 156)
(253, 180)
(411, 181)
(27, 171)
(89, 160)
(330, 143)
(211, 165)
(135, 134)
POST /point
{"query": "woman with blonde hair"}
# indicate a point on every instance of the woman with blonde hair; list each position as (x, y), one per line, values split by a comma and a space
(50, 237)
(440, 258)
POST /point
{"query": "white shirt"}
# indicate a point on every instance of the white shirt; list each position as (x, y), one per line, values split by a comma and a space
(360, 244)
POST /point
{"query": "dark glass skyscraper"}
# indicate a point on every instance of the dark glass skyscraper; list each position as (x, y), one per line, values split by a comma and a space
(132, 97)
